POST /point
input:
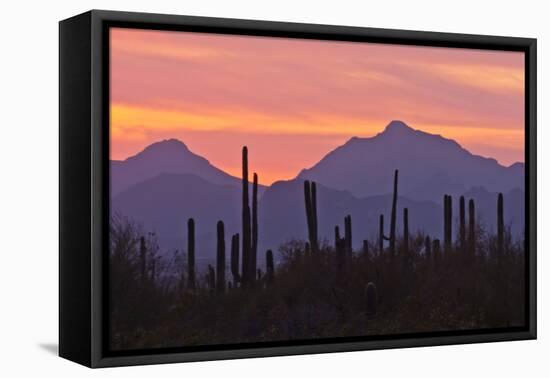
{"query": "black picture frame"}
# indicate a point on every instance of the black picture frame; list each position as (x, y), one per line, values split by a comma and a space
(84, 184)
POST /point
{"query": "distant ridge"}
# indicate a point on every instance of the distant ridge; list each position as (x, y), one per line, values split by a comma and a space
(364, 166)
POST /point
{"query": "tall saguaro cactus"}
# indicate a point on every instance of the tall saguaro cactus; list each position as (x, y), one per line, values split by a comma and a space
(235, 259)
(310, 197)
(448, 228)
(347, 235)
(220, 259)
(191, 254)
(269, 267)
(472, 227)
(246, 242)
(462, 223)
(393, 213)
(500, 224)
(254, 247)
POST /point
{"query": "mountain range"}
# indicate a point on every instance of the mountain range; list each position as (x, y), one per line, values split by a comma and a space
(165, 184)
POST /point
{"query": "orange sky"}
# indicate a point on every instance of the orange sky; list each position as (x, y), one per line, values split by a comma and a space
(292, 101)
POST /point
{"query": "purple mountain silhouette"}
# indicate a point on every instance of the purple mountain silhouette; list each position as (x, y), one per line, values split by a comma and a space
(429, 166)
(167, 156)
(164, 203)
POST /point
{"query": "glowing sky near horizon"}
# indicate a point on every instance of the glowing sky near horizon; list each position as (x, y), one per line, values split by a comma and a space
(292, 101)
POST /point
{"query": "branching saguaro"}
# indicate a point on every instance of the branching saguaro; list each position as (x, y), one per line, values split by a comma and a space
(191, 254)
(310, 198)
(393, 219)
(220, 259)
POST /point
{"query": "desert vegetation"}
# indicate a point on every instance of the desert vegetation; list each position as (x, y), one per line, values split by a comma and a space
(312, 288)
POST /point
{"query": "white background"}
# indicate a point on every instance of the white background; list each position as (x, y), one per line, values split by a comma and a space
(29, 186)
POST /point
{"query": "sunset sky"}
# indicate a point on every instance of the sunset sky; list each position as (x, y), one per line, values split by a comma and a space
(292, 101)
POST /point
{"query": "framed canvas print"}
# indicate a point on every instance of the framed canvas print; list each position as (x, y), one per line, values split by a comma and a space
(234, 188)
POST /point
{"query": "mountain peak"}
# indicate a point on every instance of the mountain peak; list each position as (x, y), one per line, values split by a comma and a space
(397, 127)
(167, 144)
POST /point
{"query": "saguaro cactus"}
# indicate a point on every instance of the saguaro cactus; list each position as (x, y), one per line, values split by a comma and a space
(406, 231)
(191, 254)
(220, 259)
(500, 224)
(393, 213)
(310, 197)
(235, 259)
(269, 267)
(246, 242)
(472, 227)
(448, 217)
(462, 223)
(381, 234)
(347, 235)
(336, 237)
(371, 300)
(254, 247)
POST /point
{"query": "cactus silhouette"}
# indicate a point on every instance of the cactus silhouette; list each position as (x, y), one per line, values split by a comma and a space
(371, 300)
(393, 213)
(220, 259)
(462, 223)
(191, 254)
(472, 227)
(310, 197)
(235, 259)
(447, 219)
(381, 234)
(269, 267)
(336, 237)
(500, 224)
(254, 247)
(347, 236)
(246, 234)
(406, 231)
